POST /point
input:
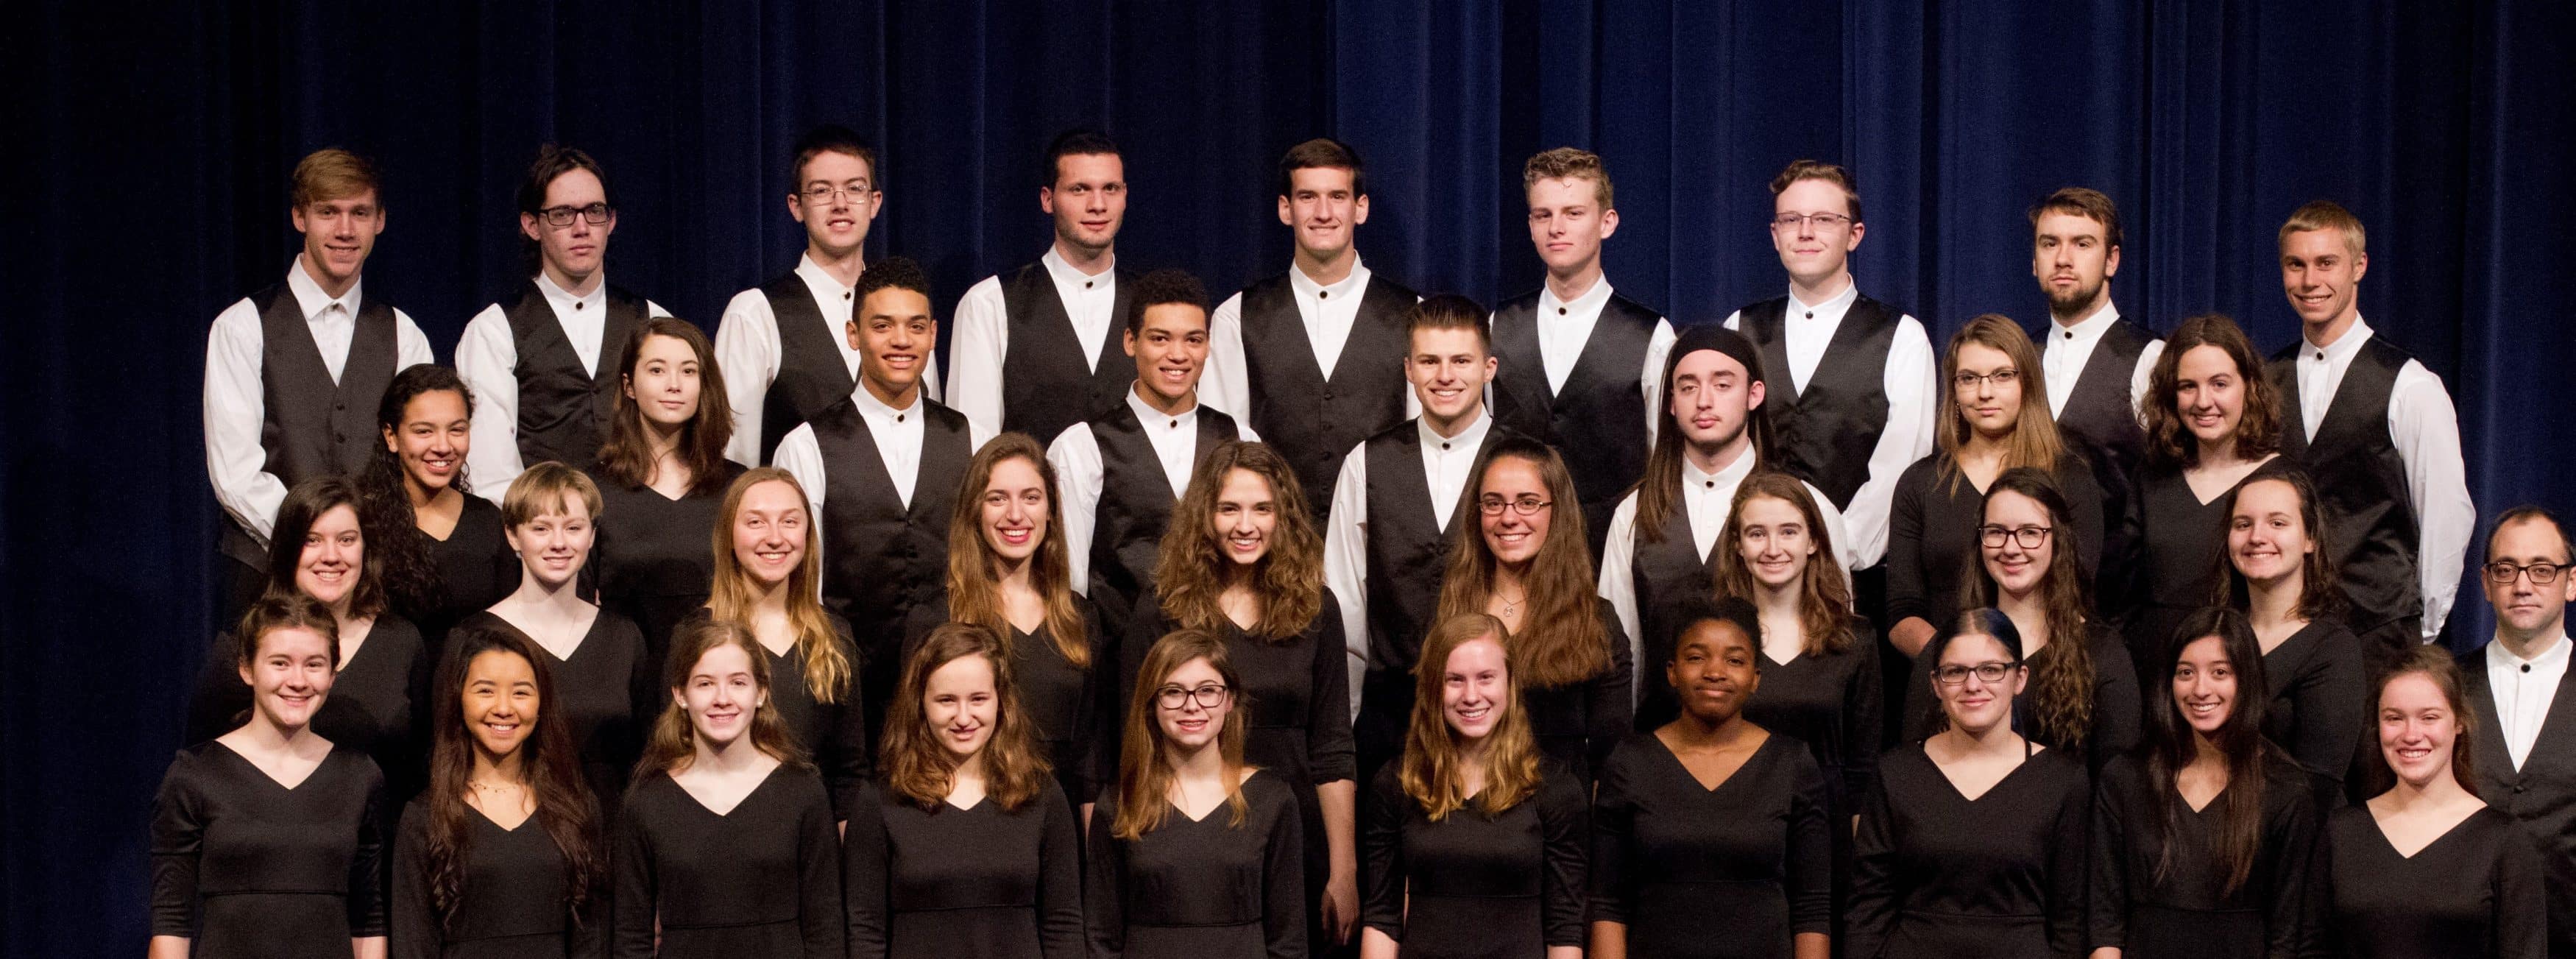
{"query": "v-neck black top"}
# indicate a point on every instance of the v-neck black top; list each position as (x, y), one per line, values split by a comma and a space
(475, 568)
(1578, 723)
(2152, 909)
(2182, 552)
(975, 883)
(762, 879)
(1938, 875)
(1832, 702)
(834, 735)
(608, 693)
(2474, 891)
(249, 868)
(512, 904)
(1069, 707)
(379, 704)
(2320, 703)
(2117, 716)
(1932, 535)
(655, 555)
(1200, 888)
(1668, 853)
(1474, 886)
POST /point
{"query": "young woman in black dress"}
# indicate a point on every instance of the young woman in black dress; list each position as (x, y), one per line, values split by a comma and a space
(1994, 417)
(454, 560)
(1820, 681)
(1008, 572)
(604, 681)
(1224, 877)
(2212, 423)
(725, 847)
(1712, 815)
(2427, 869)
(768, 567)
(468, 880)
(265, 839)
(2281, 575)
(1972, 844)
(964, 847)
(2201, 839)
(1242, 560)
(661, 473)
(1524, 563)
(1474, 842)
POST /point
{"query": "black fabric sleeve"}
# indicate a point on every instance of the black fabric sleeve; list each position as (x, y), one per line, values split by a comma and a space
(843, 755)
(1565, 836)
(2117, 714)
(1328, 701)
(1610, 883)
(2069, 834)
(2521, 904)
(1864, 712)
(367, 868)
(1869, 913)
(1922, 715)
(1610, 706)
(1811, 848)
(1382, 810)
(2293, 838)
(818, 880)
(178, 835)
(2325, 698)
(1907, 585)
(645, 696)
(1059, 880)
(2107, 893)
(1283, 886)
(864, 883)
(1104, 889)
(1102, 717)
(413, 923)
(636, 899)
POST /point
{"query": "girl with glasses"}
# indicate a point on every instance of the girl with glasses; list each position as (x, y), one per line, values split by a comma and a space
(2279, 573)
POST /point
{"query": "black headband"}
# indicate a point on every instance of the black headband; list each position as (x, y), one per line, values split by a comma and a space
(1725, 341)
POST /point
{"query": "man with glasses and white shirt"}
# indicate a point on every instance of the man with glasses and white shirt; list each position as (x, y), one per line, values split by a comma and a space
(2526, 712)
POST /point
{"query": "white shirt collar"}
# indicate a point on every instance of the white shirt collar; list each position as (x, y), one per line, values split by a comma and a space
(1067, 275)
(1147, 414)
(819, 279)
(309, 296)
(1307, 289)
(876, 409)
(1586, 305)
(563, 301)
(1729, 475)
(2344, 348)
(2553, 654)
(1838, 303)
(1473, 437)
(2088, 329)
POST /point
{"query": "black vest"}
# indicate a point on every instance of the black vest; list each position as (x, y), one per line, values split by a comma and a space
(1408, 554)
(881, 556)
(1665, 570)
(1599, 418)
(2542, 794)
(1825, 433)
(564, 411)
(812, 374)
(2360, 479)
(309, 425)
(1136, 499)
(2100, 413)
(1045, 384)
(1310, 419)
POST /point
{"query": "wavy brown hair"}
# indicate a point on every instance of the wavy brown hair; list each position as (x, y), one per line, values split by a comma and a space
(673, 742)
(2258, 428)
(548, 767)
(1145, 777)
(2035, 441)
(1191, 570)
(2061, 683)
(414, 586)
(1561, 640)
(1430, 770)
(829, 673)
(974, 577)
(2434, 663)
(304, 506)
(2237, 842)
(1824, 599)
(627, 457)
(2320, 592)
(919, 768)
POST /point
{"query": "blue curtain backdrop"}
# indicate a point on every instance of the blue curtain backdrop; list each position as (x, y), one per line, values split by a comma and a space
(151, 146)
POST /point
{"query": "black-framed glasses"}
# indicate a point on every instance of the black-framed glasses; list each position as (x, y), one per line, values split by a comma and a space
(1209, 696)
(1823, 221)
(819, 195)
(1526, 505)
(2028, 536)
(1988, 673)
(2502, 573)
(596, 213)
(1969, 381)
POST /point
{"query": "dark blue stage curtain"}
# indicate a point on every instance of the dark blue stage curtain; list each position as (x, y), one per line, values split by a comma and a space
(148, 149)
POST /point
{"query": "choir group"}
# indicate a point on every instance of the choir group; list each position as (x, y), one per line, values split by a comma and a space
(1341, 620)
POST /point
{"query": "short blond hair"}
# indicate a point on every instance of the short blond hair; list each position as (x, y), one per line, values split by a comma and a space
(2326, 215)
(332, 173)
(1569, 163)
(546, 488)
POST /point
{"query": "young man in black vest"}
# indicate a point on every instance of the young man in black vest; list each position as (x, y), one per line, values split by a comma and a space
(1386, 538)
(1851, 379)
(1582, 366)
(2096, 361)
(780, 344)
(541, 362)
(2378, 432)
(1714, 432)
(294, 371)
(880, 470)
(1035, 349)
(2526, 712)
(1313, 358)
(1120, 472)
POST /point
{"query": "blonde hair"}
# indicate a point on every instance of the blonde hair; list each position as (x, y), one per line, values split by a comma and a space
(974, 594)
(1430, 771)
(545, 488)
(2327, 215)
(829, 673)
(1569, 163)
(332, 173)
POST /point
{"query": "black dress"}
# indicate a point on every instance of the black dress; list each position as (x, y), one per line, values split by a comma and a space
(1940, 875)
(609, 693)
(1069, 707)
(475, 569)
(2187, 913)
(2474, 892)
(1932, 536)
(1196, 889)
(975, 883)
(513, 902)
(249, 868)
(654, 555)
(379, 704)
(1668, 853)
(1578, 723)
(761, 879)
(2320, 703)
(2116, 713)
(834, 735)
(1473, 886)
(2182, 552)
(1831, 702)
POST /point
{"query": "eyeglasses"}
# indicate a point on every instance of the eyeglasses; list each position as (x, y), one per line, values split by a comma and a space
(827, 194)
(1988, 673)
(2003, 377)
(2028, 536)
(1526, 505)
(1823, 221)
(1209, 696)
(2502, 573)
(596, 213)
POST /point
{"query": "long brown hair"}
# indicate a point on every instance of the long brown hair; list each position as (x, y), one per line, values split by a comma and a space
(552, 771)
(303, 507)
(1430, 772)
(1824, 599)
(627, 457)
(2061, 684)
(1561, 640)
(974, 584)
(918, 767)
(2035, 441)
(2258, 428)
(1191, 571)
(829, 673)
(2320, 593)
(673, 743)
(2434, 663)
(1145, 777)
(413, 582)
(2172, 744)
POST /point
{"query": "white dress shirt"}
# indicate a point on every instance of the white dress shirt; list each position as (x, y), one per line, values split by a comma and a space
(487, 359)
(1080, 474)
(1707, 499)
(236, 406)
(748, 351)
(1909, 381)
(982, 339)
(1565, 327)
(897, 433)
(2426, 431)
(2061, 362)
(1328, 312)
(1447, 463)
(2523, 689)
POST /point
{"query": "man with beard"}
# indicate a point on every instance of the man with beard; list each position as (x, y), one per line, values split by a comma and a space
(1033, 351)
(2095, 361)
